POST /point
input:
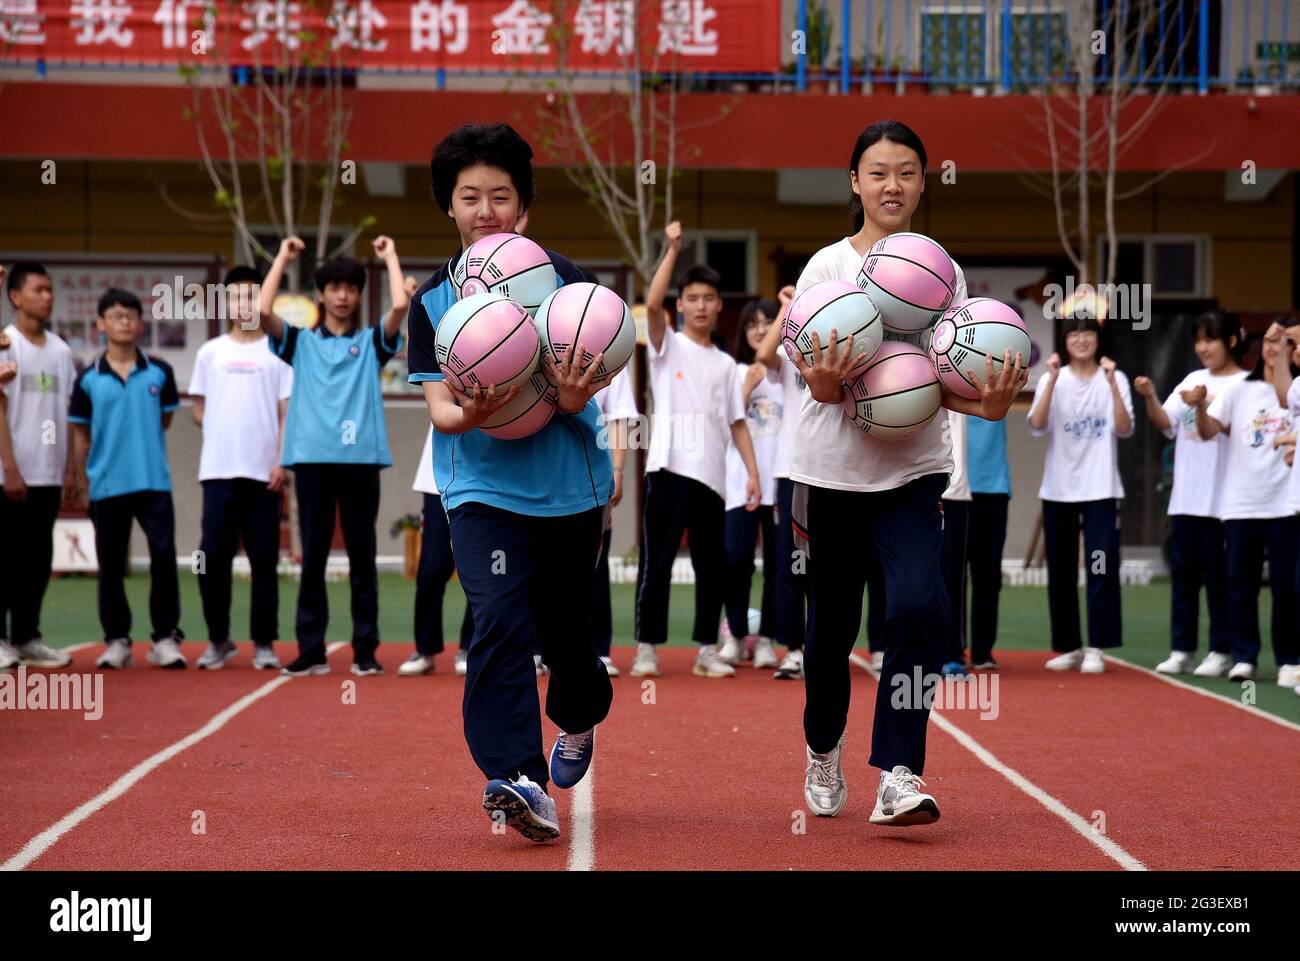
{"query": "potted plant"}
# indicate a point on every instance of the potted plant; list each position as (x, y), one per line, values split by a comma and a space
(818, 41)
(409, 526)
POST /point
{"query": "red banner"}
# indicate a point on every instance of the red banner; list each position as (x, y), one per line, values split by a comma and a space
(489, 35)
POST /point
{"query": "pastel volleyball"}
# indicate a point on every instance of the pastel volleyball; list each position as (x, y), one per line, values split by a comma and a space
(896, 396)
(486, 339)
(530, 411)
(594, 318)
(969, 331)
(911, 279)
(833, 305)
(505, 264)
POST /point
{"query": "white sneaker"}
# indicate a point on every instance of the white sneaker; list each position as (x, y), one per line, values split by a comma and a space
(167, 654)
(36, 653)
(116, 656)
(646, 663)
(732, 651)
(900, 803)
(1093, 663)
(877, 661)
(540, 666)
(791, 668)
(1214, 665)
(610, 668)
(1067, 661)
(462, 661)
(415, 666)
(216, 654)
(824, 788)
(1242, 671)
(764, 653)
(1176, 663)
(1288, 675)
(709, 663)
(8, 656)
(264, 658)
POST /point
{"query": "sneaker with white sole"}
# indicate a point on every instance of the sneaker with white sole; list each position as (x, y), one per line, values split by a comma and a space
(1093, 662)
(610, 667)
(791, 668)
(764, 653)
(1068, 661)
(646, 663)
(539, 666)
(1288, 675)
(365, 665)
(709, 663)
(526, 807)
(1215, 664)
(8, 656)
(166, 653)
(215, 656)
(571, 756)
(306, 665)
(462, 661)
(899, 801)
(116, 656)
(1177, 662)
(824, 788)
(732, 650)
(1242, 671)
(416, 665)
(877, 661)
(264, 658)
(36, 653)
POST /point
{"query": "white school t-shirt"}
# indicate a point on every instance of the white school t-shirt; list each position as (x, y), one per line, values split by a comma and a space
(764, 417)
(1199, 465)
(792, 387)
(829, 451)
(1082, 444)
(696, 402)
(38, 398)
(1256, 478)
(242, 385)
(424, 482)
(615, 399)
(959, 483)
(1293, 408)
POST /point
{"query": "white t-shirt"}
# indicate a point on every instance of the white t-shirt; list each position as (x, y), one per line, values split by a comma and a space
(696, 402)
(1256, 479)
(242, 385)
(793, 388)
(38, 406)
(959, 483)
(1293, 407)
(615, 399)
(424, 482)
(829, 451)
(764, 417)
(1082, 444)
(1199, 465)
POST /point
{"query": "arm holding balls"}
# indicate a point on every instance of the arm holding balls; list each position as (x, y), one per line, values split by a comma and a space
(454, 412)
(997, 392)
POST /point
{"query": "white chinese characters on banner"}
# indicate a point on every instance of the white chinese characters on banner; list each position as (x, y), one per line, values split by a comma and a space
(281, 18)
(604, 25)
(432, 22)
(355, 24)
(21, 22)
(101, 21)
(683, 29)
(520, 28)
(179, 17)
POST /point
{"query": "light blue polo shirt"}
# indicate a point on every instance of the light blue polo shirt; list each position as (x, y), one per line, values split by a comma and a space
(558, 471)
(986, 456)
(127, 450)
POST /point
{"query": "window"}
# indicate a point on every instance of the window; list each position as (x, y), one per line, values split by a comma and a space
(959, 42)
(1175, 266)
(730, 252)
(954, 43)
(1038, 45)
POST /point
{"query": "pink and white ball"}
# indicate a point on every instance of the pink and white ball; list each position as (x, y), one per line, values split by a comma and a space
(486, 340)
(897, 396)
(594, 318)
(530, 411)
(970, 331)
(833, 305)
(911, 279)
(505, 264)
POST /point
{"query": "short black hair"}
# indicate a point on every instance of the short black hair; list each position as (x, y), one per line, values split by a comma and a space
(703, 274)
(242, 274)
(19, 272)
(740, 348)
(117, 297)
(494, 145)
(1222, 325)
(341, 270)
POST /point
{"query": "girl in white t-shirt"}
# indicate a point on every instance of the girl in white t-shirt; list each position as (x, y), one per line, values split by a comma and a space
(762, 397)
(1083, 407)
(857, 498)
(1197, 553)
(1256, 518)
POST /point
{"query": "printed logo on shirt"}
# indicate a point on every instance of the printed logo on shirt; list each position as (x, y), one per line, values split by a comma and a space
(38, 383)
(1189, 420)
(1263, 427)
(153, 389)
(764, 417)
(354, 350)
(1087, 428)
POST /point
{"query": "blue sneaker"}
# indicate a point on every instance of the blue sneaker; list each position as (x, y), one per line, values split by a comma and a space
(571, 756)
(527, 807)
(955, 669)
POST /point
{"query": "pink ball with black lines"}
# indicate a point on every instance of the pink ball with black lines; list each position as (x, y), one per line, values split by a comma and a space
(506, 264)
(911, 279)
(897, 396)
(832, 305)
(596, 320)
(970, 331)
(486, 340)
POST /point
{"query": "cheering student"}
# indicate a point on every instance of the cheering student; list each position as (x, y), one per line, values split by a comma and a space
(858, 498)
(120, 408)
(697, 410)
(538, 503)
(617, 410)
(336, 441)
(240, 394)
(1197, 552)
(34, 463)
(1257, 520)
(1083, 407)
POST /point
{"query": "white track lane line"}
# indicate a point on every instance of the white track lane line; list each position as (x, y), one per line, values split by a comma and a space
(582, 821)
(1248, 708)
(1080, 825)
(38, 845)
